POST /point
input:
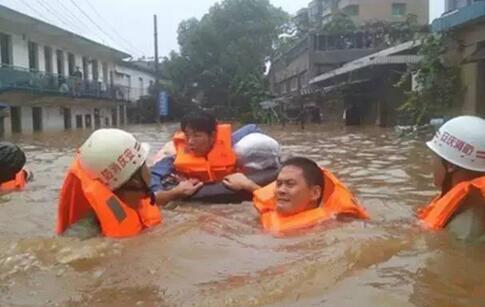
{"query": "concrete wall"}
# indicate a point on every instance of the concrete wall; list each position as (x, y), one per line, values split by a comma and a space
(382, 10)
(470, 40)
(53, 118)
(27, 122)
(20, 55)
(137, 89)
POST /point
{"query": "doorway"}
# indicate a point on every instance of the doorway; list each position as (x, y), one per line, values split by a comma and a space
(37, 118)
(67, 118)
(16, 119)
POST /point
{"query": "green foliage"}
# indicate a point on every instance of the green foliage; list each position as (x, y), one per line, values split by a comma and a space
(438, 85)
(223, 56)
(340, 23)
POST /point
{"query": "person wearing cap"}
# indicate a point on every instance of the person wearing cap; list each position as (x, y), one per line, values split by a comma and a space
(459, 172)
(106, 189)
(13, 176)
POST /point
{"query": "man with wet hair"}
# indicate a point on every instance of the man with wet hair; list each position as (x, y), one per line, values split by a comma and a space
(207, 151)
(302, 196)
(199, 129)
(299, 186)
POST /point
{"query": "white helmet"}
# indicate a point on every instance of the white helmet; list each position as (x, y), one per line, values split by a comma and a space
(112, 156)
(461, 141)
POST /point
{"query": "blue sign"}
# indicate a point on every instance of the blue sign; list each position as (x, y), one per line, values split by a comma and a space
(163, 103)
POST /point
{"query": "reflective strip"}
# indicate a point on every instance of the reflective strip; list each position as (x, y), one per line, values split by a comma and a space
(115, 206)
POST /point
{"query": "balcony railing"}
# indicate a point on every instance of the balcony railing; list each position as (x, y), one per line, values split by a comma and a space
(12, 77)
(460, 17)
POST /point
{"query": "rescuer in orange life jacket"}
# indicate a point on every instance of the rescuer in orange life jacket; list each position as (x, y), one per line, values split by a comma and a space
(459, 171)
(13, 176)
(107, 189)
(303, 196)
(208, 151)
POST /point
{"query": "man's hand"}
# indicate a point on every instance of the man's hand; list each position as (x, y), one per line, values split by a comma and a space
(188, 187)
(238, 182)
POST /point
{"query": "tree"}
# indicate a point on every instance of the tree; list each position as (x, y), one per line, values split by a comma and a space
(438, 85)
(222, 52)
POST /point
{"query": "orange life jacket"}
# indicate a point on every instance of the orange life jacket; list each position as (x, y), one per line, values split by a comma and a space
(439, 212)
(81, 195)
(337, 199)
(18, 183)
(220, 161)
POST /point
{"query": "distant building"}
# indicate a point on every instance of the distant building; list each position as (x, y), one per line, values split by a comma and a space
(53, 79)
(316, 54)
(466, 18)
(362, 11)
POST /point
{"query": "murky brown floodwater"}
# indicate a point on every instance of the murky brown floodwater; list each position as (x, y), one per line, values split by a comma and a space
(217, 255)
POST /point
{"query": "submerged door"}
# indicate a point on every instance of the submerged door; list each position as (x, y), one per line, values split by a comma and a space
(16, 119)
(67, 118)
(37, 118)
(79, 121)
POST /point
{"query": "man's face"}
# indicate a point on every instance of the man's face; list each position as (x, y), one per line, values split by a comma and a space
(293, 194)
(198, 143)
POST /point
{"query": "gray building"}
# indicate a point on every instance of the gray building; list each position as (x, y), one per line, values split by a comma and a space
(53, 79)
(316, 54)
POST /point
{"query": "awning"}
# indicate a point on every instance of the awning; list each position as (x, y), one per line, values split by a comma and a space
(384, 57)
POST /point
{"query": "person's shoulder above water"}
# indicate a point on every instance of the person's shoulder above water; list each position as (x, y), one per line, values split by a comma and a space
(303, 196)
(459, 172)
(468, 223)
(110, 180)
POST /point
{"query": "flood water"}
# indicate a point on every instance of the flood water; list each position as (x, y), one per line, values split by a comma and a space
(217, 255)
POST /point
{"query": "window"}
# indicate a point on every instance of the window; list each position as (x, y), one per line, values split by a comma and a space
(398, 9)
(85, 68)
(351, 10)
(6, 49)
(48, 59)
(105, 73)
(294, 84)
(95, 70)
(60, 62)
(70, 64)
(140, 79)
(33, 50)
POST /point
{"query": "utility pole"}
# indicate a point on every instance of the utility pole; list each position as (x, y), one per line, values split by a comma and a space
(157, 71)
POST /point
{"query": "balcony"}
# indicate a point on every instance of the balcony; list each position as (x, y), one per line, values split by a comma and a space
(459, 18)
(17, 78)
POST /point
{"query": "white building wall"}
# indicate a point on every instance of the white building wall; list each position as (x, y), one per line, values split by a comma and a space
(20, 52)
(41, 61)
(26, 119)
(52, 119)
(7, 125)
(83, 111)
(136, 90)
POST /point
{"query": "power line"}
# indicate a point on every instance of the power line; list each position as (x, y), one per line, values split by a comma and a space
(72, 15)
(74, 20)
(113, 29)
(35, 11)
(48, 9)
(92, 21)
